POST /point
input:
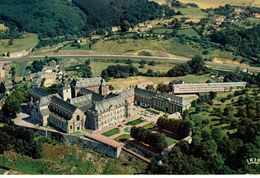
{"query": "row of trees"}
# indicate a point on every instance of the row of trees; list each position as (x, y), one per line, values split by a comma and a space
(179, 127)
(119, 71)
(154, 139)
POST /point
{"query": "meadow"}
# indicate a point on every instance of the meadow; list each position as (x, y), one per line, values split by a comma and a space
(28, 41)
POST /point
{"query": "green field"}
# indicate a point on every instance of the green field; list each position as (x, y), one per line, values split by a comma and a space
(20, 68)
(188, 32)
(28, 41)
(193, 13)
(135, 122)
(111, 132)
(170, 141)
(61, 159)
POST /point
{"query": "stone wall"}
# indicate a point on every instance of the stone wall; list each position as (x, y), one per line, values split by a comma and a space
(82, 142)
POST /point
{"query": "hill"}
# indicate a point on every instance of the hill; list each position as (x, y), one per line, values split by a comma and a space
(50, 18)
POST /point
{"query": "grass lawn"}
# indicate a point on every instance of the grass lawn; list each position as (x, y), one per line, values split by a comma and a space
(188, 32)
(170, 141)
(20, 68)
(28, 41)
(135, 122)
(148, 126)
(111, 132)
(132, 81)
(122, 138)
(162, 30)
(61, 159)
(211, 3)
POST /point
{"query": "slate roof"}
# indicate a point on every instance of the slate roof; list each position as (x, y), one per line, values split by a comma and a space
(167, 96)
(106, 104)
(39, 91)
(63, 104)
(88, 82)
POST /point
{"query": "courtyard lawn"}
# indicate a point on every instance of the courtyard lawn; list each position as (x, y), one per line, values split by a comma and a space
(135, 122)
(148, 126)
(111, 132)
(122, 138)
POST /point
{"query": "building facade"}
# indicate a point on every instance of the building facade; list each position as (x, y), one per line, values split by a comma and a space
(162, 101)
(207, 87)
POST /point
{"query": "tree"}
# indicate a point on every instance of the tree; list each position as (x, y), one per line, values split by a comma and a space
(197, 64)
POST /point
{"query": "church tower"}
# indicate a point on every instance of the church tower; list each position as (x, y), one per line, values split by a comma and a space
(66, 92)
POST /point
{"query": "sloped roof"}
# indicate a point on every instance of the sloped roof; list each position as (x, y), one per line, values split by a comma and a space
(39, 91)
(88, 82)
(63, 104)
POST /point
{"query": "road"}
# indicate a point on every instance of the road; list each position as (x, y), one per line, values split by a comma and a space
(171, 59)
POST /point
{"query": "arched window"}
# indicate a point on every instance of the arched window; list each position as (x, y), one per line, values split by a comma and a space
(78, 117)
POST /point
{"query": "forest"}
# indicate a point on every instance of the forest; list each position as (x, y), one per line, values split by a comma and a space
(52, 18)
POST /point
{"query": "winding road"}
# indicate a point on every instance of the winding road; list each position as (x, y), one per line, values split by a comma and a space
(169, 59)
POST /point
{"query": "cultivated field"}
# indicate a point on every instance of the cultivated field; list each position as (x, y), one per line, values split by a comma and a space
(132, 81)
(215, 3)
(28, 41)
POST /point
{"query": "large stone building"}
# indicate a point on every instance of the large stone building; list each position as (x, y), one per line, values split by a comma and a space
(89, 109)
(95, 84)
(52, 110)
(207, 87)
(162, 101)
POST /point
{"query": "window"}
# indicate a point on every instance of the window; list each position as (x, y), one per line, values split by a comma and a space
(70, 127)
(78, 117)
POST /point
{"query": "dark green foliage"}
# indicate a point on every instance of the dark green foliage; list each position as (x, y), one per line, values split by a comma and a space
(214, 151)
(47, 18)
(19, 139)
(245, 41)
(103, 13)
(180, 128)
(154, 139)
(13, 102)
(119, 71)
(195, 66)
(38, 65)
(83, 69)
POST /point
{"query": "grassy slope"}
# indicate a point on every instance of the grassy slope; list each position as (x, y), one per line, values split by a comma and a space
(215, 121)
(60, 159)
(28, 41)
